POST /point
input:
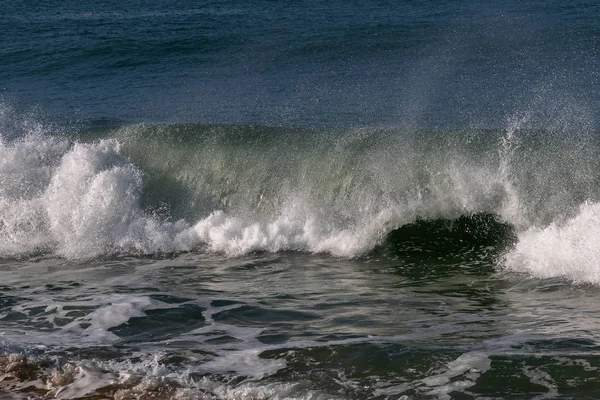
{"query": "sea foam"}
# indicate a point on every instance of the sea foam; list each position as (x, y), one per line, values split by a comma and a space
(83, 200)
(569, 249)
(162, 189)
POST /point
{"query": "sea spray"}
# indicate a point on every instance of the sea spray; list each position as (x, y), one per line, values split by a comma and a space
(158, 189)
(339, 199)
(568, 250)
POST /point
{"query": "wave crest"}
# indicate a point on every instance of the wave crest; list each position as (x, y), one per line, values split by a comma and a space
(567, 249)
(155, 189)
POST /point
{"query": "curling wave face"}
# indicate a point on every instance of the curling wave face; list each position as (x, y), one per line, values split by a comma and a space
(340, 195)
(153, 189)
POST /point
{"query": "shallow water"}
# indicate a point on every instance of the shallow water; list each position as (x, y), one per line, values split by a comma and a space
(291, 325)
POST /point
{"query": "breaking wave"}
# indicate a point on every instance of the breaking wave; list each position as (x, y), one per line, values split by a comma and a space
(161, 189)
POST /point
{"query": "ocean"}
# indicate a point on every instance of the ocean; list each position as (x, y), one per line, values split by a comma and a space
(299, 199)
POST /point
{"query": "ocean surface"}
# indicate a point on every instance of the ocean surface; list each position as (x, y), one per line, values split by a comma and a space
(299, 199)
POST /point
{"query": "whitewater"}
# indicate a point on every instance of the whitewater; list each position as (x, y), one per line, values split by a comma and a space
(234, 190)
(292, 200)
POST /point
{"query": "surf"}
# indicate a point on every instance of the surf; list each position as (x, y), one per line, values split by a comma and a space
(159, 189)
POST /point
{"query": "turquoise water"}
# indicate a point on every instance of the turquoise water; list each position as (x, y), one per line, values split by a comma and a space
(279, 200)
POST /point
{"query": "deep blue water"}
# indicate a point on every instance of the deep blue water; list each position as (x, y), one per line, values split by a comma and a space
(418, 64)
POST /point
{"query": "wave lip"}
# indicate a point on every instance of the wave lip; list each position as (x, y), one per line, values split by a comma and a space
(233, 190)
(77, 201)
(89, 199)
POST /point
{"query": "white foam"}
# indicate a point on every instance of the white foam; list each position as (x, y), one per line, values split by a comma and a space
(291, 230)
(92, 199)
(26, 168)
(117, 309)
(85, 381)
(244, 363)
(568, 250)
(469, 366)
(537, 376)
(151, 378)
(83, 200)
(98, 315)
(79, 201)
